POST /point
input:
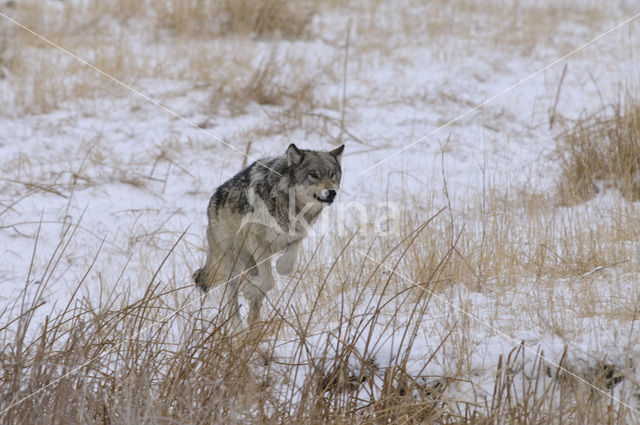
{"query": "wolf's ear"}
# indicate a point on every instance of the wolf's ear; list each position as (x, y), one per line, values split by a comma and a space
(337, 152)
(294, 155)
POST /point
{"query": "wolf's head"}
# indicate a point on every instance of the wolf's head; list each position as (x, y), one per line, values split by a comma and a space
(315, 175)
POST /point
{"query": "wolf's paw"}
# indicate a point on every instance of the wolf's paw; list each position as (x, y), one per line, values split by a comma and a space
(285, 265)
(198, 278)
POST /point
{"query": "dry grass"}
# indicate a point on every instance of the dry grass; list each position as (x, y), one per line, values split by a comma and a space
(156, 358)
(43, 78)
(465, 28)
(271, 83)
(600, 152)
(513, 26)
(215, 38)
(322, 353)
(259, 18)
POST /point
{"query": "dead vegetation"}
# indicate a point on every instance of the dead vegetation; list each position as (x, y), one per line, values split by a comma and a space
(257, 18)
(156, 358)
(269, 84)
(238, 74)
(189, 18)
(601, 151)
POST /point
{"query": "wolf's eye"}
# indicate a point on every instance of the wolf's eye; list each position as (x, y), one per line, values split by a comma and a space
(332, 175)
(313, 175)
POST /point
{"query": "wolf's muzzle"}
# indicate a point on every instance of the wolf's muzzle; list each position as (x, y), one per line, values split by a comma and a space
(328, 196)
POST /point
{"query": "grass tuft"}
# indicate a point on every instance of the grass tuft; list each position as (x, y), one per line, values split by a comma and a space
(601, 151)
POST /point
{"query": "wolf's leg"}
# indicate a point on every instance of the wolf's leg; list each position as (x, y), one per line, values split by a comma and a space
(255, 304)
(255, 292)
(287, 260)
(234, 307)
(236, 264)
(266, 275)
(199, 277)
(206, 277)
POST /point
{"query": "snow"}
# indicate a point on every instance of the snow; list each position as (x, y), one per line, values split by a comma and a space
(129, 179)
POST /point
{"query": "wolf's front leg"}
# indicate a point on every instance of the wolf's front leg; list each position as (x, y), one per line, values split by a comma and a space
(255, 304)
(257, 294)
(287, 260)
(266, 275)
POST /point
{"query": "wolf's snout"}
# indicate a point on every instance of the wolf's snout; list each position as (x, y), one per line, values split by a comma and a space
(326, 196)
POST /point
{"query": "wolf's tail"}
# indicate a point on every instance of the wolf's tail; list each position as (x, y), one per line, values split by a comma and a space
(199, 279)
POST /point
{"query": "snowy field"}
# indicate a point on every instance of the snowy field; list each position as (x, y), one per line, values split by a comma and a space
(451, 282)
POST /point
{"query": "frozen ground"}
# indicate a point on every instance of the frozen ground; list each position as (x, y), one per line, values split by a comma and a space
(128, 179)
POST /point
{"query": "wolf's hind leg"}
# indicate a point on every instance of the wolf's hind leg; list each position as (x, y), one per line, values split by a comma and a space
(212, 272)
(232, 305)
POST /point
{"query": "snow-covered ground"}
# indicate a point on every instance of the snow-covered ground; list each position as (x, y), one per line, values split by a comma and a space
(120, 179)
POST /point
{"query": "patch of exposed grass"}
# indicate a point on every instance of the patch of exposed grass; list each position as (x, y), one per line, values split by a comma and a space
(599, 152)
(258, 18)
(271, 83)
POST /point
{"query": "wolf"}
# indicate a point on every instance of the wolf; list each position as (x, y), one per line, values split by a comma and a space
(265, 210)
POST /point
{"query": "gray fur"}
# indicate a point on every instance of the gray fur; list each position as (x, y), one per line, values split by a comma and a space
(263, 210)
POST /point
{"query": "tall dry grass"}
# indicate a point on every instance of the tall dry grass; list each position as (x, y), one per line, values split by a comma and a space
(315, 357)
(601, 151)
(188, 41)
(259, 18)
(136, 40)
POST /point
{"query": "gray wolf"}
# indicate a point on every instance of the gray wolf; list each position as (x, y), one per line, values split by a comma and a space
(264, 210)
